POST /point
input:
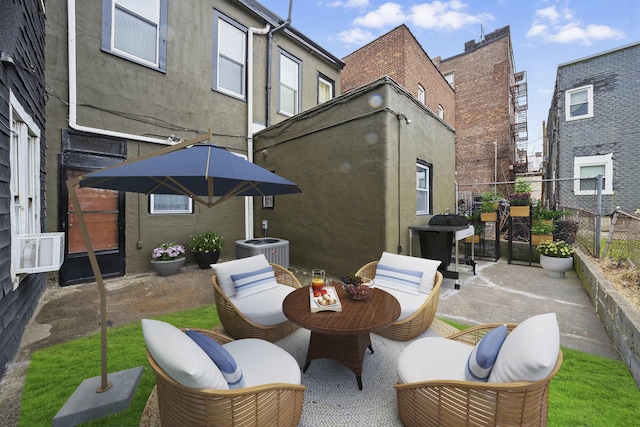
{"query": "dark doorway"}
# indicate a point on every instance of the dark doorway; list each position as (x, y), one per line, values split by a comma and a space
(103, 209)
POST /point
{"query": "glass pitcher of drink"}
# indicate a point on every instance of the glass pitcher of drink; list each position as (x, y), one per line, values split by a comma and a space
(317, 279)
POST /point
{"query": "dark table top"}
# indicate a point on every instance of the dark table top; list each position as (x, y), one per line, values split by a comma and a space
(438, 227)
(358, 316)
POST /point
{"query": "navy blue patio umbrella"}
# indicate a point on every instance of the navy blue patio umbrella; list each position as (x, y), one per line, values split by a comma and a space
(202, 172)
(207, 173)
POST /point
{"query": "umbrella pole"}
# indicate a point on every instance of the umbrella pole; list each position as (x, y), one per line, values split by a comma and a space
(71, 183)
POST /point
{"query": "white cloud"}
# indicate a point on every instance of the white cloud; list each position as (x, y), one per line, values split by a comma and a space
(560, 26)
(389, 14)
(437, 15)
(449, 15)
(349, 4)
(354, 36)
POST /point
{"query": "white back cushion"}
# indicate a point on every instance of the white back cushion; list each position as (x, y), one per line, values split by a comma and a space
(180, 357)
(224, 270)
(529, 352)
(427, 266)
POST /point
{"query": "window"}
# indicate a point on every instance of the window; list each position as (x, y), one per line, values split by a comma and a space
(24, 151)
(230, 53)
(170, 204)
(136, 30)
(420, 93)
(579, 103)
(450, 79)
(590, 167)
(441, 111)
(423, 188)
(289, 87)
(325, 88)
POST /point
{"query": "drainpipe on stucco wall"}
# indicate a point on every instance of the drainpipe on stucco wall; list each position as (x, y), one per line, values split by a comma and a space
(269, 51)
(248, 201)
(73, 89)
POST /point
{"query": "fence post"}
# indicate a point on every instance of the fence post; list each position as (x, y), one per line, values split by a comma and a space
(598, 215)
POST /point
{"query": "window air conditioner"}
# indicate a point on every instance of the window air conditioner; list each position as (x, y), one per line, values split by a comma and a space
(37, 253)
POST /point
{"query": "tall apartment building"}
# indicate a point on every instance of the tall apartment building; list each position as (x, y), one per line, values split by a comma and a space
(491, 110)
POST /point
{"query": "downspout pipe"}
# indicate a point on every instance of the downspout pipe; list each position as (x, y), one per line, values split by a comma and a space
(248, 201)
(269, 52)
(73, 87)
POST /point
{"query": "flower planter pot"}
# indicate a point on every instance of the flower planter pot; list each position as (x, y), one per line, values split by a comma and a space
(488, 217)
(537, 238)
(519, 211)
(168, 268)
(556, 267)
(474, 239)
(205, 259)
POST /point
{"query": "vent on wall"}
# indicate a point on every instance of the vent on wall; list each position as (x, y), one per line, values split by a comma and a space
(37, 253)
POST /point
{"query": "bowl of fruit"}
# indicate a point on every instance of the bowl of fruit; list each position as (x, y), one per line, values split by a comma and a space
(357, 287)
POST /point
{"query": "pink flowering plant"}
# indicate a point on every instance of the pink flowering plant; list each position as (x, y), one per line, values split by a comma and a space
(555, 248)
(168, 252)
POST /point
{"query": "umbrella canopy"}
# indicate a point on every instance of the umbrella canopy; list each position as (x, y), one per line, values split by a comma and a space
(198, 171)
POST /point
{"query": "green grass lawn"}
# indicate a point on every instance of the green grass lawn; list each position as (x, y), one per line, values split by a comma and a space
(587, 391)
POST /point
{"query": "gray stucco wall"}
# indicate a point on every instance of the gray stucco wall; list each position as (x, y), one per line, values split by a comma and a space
(614, 127)
(180, 101)
(344, 156)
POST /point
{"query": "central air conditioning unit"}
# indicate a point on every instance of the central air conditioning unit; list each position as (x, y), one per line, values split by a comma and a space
(275, 250)
(37, 253)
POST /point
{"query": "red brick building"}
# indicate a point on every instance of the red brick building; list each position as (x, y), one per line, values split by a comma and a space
(487, 107)
(491, 103)
(398, 55)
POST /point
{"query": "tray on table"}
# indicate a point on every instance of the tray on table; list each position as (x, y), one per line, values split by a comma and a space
(333, 295)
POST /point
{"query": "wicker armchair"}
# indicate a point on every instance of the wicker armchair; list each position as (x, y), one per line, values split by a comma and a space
(418, 322)
(272, 404)
(469, 403)
(239, 326)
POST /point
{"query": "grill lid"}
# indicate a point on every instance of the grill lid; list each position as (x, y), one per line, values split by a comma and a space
(444, 219)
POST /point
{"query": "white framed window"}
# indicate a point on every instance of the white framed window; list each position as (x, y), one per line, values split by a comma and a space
(579, 103)
(24, 154)
(289, 84)
(230, 56)
(449, 77)
(325, 88)
(136, 30)
(441, 111)
(421, 94)
(423, 188)
(586, 168)
(164, 204)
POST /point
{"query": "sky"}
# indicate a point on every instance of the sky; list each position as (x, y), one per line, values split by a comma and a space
(544, 33)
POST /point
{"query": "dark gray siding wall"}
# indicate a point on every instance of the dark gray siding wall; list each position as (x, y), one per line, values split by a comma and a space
(22, 72)
(614, 127)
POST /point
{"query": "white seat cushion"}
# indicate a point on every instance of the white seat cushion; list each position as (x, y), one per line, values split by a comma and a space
(529, 352)
(429, 267)
(433, 358)
(264, 308)
(409, 303)
(180, 357)
(224, 270)
(263, 362)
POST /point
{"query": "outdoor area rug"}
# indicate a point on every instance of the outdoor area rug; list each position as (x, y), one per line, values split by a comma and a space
(332, 397)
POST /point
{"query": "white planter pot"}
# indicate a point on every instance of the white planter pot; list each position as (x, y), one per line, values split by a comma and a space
(556, 267)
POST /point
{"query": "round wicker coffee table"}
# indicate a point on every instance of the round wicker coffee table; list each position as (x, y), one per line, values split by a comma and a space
(342, 336)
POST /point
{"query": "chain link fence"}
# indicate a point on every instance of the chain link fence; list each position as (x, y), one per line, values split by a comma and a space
(580, 221)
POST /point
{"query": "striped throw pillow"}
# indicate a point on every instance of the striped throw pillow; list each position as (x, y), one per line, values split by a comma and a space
(253, 282)
(398, 278)
(221, 357)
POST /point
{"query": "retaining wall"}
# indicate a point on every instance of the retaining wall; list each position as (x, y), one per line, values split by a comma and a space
(619, 318)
